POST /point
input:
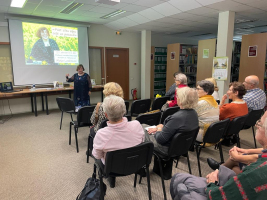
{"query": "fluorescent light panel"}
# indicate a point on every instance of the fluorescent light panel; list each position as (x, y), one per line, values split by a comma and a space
(113, 14)
(71, 8)
(18, 3)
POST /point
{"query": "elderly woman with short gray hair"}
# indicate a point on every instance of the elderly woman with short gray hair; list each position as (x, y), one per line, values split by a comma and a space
(180, 81)
(207, 108)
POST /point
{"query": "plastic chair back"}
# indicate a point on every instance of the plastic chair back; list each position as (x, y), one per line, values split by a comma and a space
(127, 106)
(168, 112)
(140, 106)
(253, 116)
(84, 115)
(65, 104)
(159, 102)
(130, 160)
(216, 131)
(236, 125)
(150, 119)
(181, 143)
(103, 123)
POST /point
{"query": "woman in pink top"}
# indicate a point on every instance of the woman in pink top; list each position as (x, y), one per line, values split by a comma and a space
(119, 133)
(180, 81)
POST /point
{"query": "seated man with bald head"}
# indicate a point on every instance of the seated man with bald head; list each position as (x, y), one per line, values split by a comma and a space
(255, 97)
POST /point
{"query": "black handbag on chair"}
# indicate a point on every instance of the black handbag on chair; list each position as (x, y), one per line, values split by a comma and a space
(92, 189)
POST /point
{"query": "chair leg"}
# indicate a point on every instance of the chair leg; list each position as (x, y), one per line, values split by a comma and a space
(177, 160)
(221, 152)
(76, 130)
(188, 163)
(140, 180)
(88, 149)
(148, 182)
(135, 177)
(162, 180)
(71, 117)
(238, 140)
(254, 136)
(70, 134)
(198, 149)
(61, 120)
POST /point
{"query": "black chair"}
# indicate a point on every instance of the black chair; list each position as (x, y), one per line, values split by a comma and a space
(159, 102)
(128, 161)
(168, 112)
(180, 145)
(218, 102)
(150, 119)
(235, 127)
(140, 106)
(212, 137)
(83, 119)
(91, 138)
(65, 105)
(127, 106)
(251, 120)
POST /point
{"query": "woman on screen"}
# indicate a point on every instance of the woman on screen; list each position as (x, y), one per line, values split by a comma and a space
(82, 86)
(43, 49)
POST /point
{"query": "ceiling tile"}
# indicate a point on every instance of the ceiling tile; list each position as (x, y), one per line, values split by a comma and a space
(5, 3)
(61, 4)
(185, 5)
(159, 24)
(3, 9)
(86, 7)
(91, 2)
(168, 20)
(44, 14)
(91, 14)
(134, 8)
(129, 1)
(204, 11)
(102, 10)
(151, 14)
(121, 15)
(208, 2)
(116, 26)
(166, 9)
(148, 3)
(138, 18)
(228, 5)
(117, 6)
(183, 15)
(50, 8)
(127, 21)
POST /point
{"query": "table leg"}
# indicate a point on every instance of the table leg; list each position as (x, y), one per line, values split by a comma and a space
(35, 104)
(102, 96)
(42, 97)
(70, 94)
(32, 102)
(46, 104)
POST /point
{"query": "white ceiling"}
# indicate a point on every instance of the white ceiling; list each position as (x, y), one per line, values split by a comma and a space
(182, 18)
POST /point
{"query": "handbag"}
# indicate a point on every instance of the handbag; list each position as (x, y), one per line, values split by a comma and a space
(96, 112)
(92, 189)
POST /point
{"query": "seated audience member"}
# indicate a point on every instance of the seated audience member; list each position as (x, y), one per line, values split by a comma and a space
(98, 115)
(171, 92)
(215, 94)
(119, 133)
(184, 120)
(237, 107)
(180, 81)
(226, 183)
(207, 108)
(255, 97)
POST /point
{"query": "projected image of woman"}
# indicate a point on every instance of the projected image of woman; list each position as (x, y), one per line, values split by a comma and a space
(43, 49)
(82, 86)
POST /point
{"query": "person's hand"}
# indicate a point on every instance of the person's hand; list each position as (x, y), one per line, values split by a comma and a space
(239, 150)
(168, 102)
(152, 130)
(213, 176)
(67, 75)
(224, 98)
(234, 153)
(160, 126)
(89, 93)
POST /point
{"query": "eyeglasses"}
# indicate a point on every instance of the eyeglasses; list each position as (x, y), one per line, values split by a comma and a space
(258, 124)
(199, 88)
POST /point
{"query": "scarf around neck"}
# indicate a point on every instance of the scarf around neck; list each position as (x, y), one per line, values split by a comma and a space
(210, 99)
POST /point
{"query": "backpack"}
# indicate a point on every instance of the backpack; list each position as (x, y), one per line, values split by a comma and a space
(92, 189)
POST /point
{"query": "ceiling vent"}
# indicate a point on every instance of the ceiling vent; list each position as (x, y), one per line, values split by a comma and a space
(239, 21)
(201, 34)
(108, 2)
(71, 8)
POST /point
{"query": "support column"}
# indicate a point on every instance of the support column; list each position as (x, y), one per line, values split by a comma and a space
(145, 64)
(225, 45)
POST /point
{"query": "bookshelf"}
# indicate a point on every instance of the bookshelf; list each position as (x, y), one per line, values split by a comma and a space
(235, 61)
(188, 63)
(158, 71)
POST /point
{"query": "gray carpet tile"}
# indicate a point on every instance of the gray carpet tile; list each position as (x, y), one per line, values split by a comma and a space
(37, 162)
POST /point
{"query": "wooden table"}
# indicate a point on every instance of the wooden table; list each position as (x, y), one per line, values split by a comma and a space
(43, 92)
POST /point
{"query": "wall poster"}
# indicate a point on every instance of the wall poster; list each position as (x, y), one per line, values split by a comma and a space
(220, 67)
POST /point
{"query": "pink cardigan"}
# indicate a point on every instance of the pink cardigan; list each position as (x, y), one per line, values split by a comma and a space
(117, 136)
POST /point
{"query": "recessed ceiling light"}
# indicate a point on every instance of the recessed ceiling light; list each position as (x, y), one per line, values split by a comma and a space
(18, 3)
(113, 14)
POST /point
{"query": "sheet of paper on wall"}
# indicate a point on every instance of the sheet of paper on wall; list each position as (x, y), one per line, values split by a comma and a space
(220, 67)
(93, 82)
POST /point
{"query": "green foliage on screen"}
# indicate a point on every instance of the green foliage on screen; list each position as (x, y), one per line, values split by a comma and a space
(64, 43)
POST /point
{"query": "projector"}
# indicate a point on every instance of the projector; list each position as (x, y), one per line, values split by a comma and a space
(108, 2)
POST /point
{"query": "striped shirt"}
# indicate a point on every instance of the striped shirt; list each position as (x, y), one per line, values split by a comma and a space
(255, 99)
